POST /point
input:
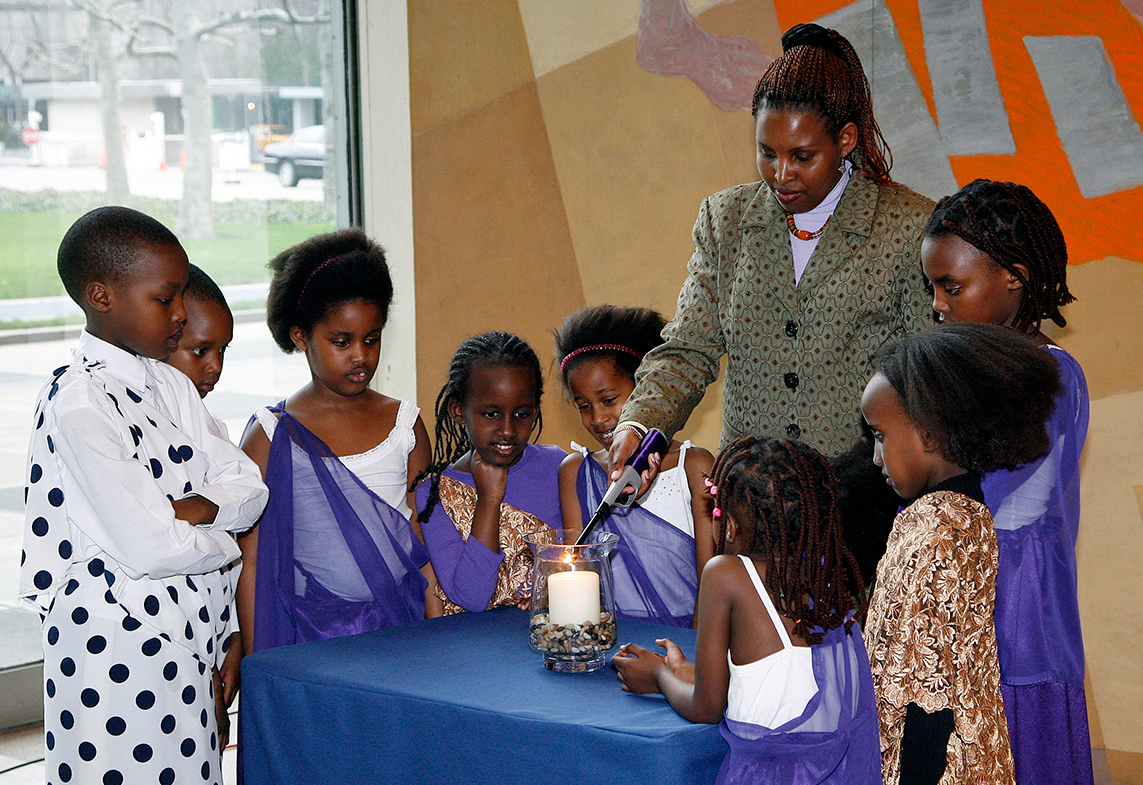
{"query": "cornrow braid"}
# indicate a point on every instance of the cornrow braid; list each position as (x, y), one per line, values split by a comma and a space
(450, 439)
(822, 73)
(783, 496)
(1013, 227)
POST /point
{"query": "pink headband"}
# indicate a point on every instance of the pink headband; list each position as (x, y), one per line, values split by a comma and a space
(599, 347)
(314, 272)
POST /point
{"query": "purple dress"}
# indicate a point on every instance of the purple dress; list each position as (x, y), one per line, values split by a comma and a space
(467, 569)
(654, 562)
(835, 740)
(368, 544)
(1036, 513)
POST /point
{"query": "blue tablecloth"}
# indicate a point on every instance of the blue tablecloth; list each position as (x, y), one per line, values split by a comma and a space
(460, 700)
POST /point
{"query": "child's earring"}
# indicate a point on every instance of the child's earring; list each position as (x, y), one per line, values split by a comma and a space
(731, 527)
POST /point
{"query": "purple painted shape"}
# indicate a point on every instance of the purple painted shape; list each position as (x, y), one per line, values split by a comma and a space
(1135, 7)
(725, 67)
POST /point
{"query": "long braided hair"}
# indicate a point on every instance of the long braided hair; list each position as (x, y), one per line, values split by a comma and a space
(1013, 227)
(451, 440)
(783, 496)
(819, 70)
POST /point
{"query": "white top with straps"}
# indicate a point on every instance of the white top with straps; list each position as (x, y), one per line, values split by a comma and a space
(669, 496)
(775, 689)
(384, 467)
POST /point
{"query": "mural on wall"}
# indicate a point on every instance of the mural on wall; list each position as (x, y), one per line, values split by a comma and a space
(725, 67)
(965, 89)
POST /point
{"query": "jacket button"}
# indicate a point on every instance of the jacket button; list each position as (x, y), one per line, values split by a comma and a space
(791, 380)
(793, 431)
(792, 329)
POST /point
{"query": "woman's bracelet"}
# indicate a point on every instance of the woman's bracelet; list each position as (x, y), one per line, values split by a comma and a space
(631, 425)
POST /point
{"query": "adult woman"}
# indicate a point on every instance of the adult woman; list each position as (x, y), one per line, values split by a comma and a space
(798, 279)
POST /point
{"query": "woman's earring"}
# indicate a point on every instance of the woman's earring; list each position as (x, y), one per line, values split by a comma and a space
(841, 166)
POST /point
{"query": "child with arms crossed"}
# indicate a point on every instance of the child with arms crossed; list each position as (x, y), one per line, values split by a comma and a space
(665, 538)
(208, 331)
(944, 405)
(132, 500)
(777, 647)
(993, 253)
(335, 552)
(487, 487)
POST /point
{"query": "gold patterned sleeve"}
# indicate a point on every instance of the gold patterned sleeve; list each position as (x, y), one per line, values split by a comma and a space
(673, 376)
(932, 636)
(950, 587)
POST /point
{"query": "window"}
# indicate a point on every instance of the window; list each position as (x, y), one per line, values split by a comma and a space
(86, 120)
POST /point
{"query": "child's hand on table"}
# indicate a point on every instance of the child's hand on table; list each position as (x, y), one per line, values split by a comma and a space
(637, 668)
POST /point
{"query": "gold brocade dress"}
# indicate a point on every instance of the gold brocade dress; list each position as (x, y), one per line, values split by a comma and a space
(514, 581)
(931, 637)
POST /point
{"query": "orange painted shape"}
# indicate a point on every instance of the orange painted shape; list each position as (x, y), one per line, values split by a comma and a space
(1094, 228)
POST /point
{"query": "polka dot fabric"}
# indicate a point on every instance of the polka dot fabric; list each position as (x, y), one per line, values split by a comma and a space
(798, 356)
(127, 657)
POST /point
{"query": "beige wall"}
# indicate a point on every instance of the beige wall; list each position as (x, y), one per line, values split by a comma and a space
(551, 171)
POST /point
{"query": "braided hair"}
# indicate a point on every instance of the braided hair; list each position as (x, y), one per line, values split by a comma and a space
(451, 440)
(819, 70)
(783, 496)
(317, 275)
(1013, 227)
(590, 333)
(980, 392)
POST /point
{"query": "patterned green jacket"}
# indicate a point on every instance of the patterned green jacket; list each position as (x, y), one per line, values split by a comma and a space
(798, 357)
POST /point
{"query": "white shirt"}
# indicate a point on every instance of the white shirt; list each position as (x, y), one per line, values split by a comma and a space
(115, 507)
(812, 220)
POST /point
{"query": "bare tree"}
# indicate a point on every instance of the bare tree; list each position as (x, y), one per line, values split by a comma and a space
(107, 72)
(181, 37)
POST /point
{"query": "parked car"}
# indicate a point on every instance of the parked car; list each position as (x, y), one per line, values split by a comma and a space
(300, 156)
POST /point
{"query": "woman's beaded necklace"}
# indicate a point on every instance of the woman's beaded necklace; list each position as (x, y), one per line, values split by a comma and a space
(802, 234)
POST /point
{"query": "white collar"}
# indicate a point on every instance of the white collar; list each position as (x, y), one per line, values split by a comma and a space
(130, 368)
(825, 209)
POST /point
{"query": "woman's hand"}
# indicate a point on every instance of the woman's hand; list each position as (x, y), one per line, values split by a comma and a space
(638, 669)
(623, 446)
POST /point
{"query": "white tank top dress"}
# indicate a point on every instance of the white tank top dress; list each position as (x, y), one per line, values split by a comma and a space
(775, 689)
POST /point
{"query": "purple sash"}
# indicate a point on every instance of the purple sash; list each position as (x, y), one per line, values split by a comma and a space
(654, 563)
(381, 559)
(835, 740)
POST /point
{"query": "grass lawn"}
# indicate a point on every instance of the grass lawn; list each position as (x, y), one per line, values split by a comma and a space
(237, 254)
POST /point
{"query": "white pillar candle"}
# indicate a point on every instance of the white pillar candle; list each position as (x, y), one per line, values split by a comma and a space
(573, 597)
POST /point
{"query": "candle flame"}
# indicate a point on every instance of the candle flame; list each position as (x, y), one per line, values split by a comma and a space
(569, 557)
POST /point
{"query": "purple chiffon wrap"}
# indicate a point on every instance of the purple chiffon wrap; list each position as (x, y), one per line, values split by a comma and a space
(1036, 513)
(654, 563)
(317, 505)
(835, 740)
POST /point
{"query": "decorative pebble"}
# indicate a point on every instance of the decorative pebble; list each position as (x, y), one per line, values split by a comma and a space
(585, 641)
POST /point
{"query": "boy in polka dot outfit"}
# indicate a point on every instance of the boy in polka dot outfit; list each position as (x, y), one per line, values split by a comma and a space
(131, 501)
